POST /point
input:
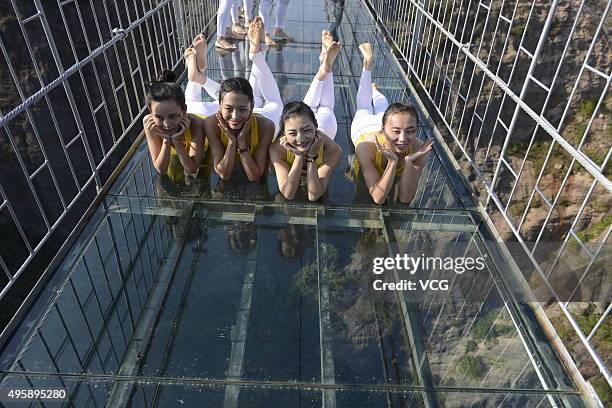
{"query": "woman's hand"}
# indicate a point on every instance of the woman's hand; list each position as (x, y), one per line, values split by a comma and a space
(241, 138)
(386, 151)
(423, 150)
(315, 145)
(225, 128)
(183, 126)
(289, 147)
(152, 128)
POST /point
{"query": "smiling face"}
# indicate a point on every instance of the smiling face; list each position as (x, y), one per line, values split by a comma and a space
(167, 115)
(300, 132)
(236, 109)
(400, 130)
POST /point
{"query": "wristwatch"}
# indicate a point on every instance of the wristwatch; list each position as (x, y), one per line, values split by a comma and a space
(243, 149)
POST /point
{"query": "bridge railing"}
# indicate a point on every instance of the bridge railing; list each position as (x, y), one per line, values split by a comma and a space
(521, 95)
(73, 82)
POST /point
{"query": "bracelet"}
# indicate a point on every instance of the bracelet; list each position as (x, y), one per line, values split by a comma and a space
(243, 149)
(310, 159)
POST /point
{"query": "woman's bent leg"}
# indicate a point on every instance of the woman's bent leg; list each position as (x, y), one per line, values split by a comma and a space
(380, 101)
(273, 104)
(364, 93)
(313, 95)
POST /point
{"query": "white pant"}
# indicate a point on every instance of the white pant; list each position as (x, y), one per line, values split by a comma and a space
(371, 106)
(234, 64)
(195, 102)
(247, 5)
(223, 16)
(268, 102)
(320, 98)
(281, 12)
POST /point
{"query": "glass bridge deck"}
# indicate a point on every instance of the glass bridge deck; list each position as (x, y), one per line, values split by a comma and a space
(204, 294)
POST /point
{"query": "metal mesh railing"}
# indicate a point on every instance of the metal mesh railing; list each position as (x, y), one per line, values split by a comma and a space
(73, 84)
(521, 90)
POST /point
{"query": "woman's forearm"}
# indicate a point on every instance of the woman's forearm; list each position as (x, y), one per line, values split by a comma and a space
(381, 189)
(409, 182)
(292, 182)
(226, 165)
(250, 166)
(313, 182)
(162, 161)
(189, 163)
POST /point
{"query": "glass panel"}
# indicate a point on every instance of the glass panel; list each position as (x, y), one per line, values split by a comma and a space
(196, 292)
(91, 391)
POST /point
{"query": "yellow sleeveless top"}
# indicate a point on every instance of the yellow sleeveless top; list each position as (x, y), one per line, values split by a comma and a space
(379, 156)
(291, 156)
(187, 135)
(188, 138)
(175, 168)
(254, 137)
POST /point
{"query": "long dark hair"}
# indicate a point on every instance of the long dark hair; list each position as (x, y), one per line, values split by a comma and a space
(293, 109)
(164, 88)
(236, 84)
(400, 107)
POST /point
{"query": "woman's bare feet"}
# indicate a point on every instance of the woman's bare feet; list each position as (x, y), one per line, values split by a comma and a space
(325, 42)
(254, 35)
(224, 44)
(329, 50)
(281, 34)
(326, 39)
(193, 74)
(330, 56)
(199, 44)
(368, 56)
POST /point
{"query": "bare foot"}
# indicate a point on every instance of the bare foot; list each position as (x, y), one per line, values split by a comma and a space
(368, 55)
(330, 56)
(193, 74)
(199, 44)
(224, 44)
(324, 45)
(238, 30)
(254, 36)
(280, 33)
(262, 30)
(326, 39)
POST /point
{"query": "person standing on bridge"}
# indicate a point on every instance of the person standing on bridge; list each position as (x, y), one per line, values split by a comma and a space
(385, 140)
(279, 29)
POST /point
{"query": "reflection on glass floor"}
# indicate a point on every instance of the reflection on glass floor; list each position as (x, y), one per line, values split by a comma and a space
(202, 294)
(240, 305)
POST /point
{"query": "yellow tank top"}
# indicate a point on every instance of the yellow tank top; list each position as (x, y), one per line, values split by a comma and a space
(291, 156)
(188, 138)
(254, 137)
(379, 156)
(187, 143)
